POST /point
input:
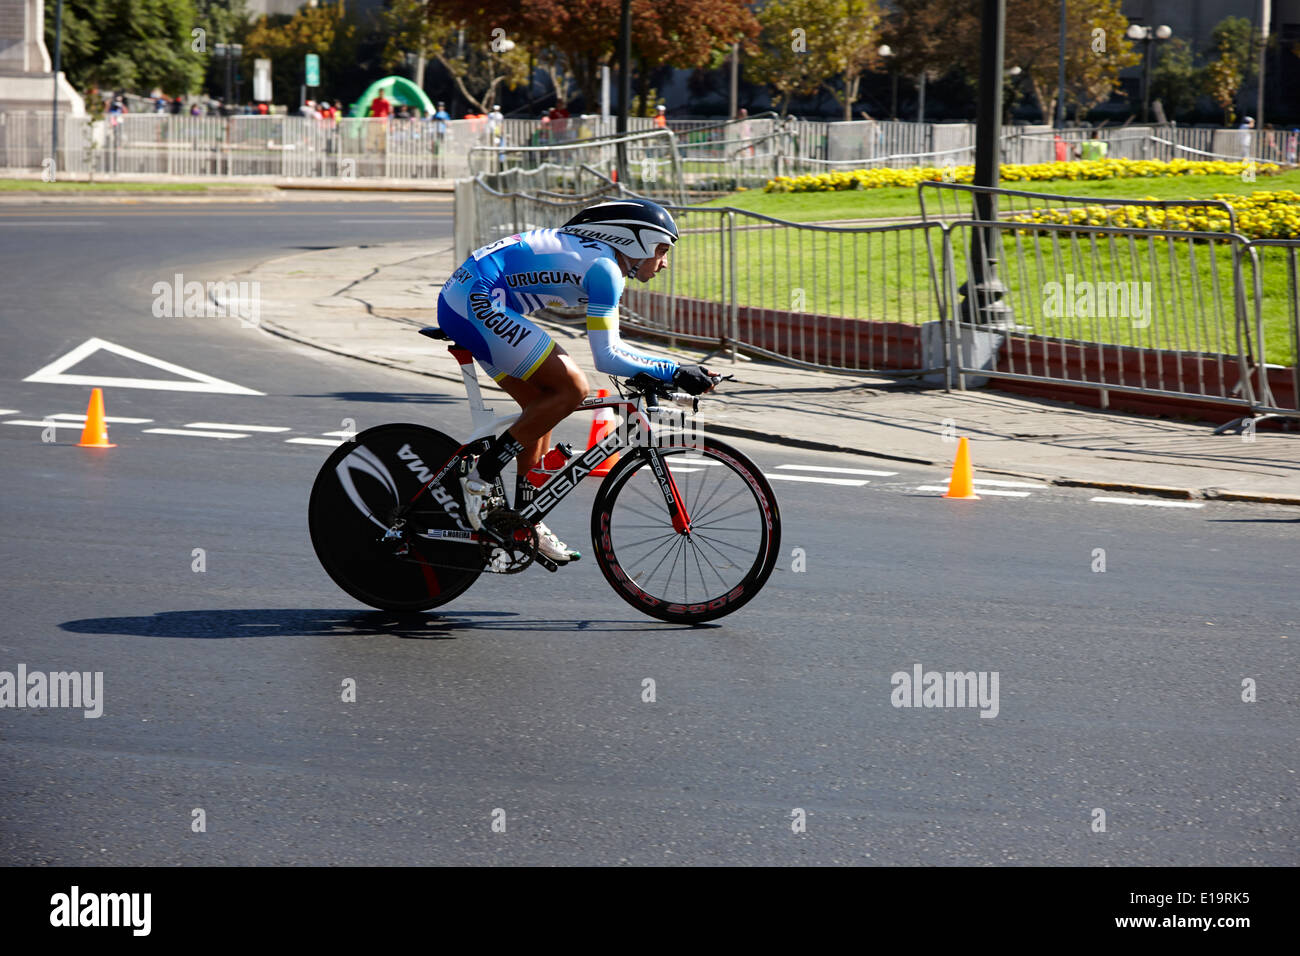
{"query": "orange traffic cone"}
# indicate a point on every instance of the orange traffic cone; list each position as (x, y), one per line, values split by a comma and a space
(95, 433)
(962, 482)
(602, 425)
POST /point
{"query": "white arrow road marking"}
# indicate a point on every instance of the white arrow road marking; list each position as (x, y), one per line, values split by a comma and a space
(840, 471)
(982, 491)
(194, 432)
(1150, 504)
(81, 417)
(56, 372)
(313, 441)
(851, 482)
(237, 428)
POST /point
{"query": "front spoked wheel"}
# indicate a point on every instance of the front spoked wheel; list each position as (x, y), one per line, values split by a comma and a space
(710, 569)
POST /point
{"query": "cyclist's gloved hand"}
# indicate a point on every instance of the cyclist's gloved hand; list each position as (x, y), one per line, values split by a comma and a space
(693, 379)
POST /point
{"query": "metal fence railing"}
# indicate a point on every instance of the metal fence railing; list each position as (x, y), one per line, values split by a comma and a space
(1135, 308)
(716, 156)
(1144, 311)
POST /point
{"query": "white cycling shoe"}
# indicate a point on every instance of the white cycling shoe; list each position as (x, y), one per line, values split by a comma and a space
(555, 549)
(477, 494)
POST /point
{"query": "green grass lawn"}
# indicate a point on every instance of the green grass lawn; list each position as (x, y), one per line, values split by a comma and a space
(73, 186)
(892, 201)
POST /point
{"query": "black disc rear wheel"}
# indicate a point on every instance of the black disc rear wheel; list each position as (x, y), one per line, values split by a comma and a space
(363, 488)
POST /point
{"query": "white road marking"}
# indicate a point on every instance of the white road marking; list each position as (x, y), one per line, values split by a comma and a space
(44, 424)
(682, 471)
(193, 432)
(1009, 484)
(56, 372)
(851, 482)
(8, 411)
(1150, 504)
(236, 428)
(313, 441)
(840, 471)
(980, 491)
(81, 417)
(344, 433)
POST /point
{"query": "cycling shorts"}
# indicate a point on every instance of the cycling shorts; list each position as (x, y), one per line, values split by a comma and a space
(473, 311)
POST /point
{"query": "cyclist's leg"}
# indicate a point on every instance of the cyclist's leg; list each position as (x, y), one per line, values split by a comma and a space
(473, 312)
(554, 389)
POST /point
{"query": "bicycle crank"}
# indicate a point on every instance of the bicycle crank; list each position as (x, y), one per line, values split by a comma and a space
(508, 543)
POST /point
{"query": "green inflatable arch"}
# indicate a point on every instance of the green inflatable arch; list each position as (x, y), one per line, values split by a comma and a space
(396, 88)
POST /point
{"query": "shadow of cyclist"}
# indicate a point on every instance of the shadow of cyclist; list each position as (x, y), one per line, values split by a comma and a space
(223, 624)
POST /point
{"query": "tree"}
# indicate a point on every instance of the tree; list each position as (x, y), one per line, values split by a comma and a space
(1223, 79)
(1174, 77)
(133, 45)
(1096, 50)
(574, 40)
(795, 51)
(930, 37)
(857, 38)
(325, 30)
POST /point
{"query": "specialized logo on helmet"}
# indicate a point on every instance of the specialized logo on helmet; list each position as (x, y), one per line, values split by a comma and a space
(588, 233)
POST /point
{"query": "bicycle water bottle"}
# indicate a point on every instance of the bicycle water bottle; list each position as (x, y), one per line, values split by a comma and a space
(551, 462)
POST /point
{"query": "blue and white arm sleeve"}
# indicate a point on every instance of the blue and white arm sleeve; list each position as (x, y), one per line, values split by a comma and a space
(604, 287)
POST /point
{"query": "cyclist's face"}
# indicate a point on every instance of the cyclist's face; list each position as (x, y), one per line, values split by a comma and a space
(649, 268)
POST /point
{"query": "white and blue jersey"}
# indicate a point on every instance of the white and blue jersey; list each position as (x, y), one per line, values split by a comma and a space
(482, 306)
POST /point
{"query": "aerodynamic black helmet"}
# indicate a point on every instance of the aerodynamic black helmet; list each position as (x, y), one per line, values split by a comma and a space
(632, 226)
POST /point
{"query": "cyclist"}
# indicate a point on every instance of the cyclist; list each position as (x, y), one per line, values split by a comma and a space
(584, 262)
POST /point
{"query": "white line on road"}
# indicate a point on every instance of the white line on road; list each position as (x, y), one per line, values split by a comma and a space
(1009, 484)
(982, 491)
(343, 433)
(237, 428)
(840, 471)
(47, 423)
(312, 441)
(851, 482)
(1150, 504)
(8, 411)
(193, 432)
(81, 417)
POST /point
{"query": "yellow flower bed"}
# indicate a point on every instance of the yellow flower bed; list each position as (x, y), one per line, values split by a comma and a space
(1035, 172)
(1261, 215)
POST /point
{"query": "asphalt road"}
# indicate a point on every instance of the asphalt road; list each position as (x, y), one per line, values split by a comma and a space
(1118, 691)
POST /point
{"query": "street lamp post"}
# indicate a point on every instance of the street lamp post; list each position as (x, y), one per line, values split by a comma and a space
(1147, 35)
(887, 52)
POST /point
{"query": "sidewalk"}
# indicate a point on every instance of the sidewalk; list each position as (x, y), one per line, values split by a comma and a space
(366, 302)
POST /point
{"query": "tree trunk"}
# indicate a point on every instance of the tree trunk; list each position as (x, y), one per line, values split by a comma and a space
(851, 86)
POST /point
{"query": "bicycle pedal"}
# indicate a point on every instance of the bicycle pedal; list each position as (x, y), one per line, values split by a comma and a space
(546, 562)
